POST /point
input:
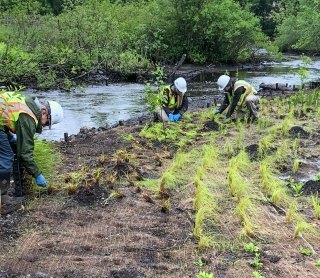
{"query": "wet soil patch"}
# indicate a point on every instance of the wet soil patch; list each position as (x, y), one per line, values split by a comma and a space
(9, 229)
(126, 273)
(91, 195)
(311, 187)
(298, 132)
(253, 151)
(211, 126)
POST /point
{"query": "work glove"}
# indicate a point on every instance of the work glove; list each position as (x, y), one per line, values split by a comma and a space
(176, 117)
(41, 181)
(217, 111)
(225, 119)
(12, 138)
(171, 118)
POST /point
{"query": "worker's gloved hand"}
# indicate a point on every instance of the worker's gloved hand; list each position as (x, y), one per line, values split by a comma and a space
(217, 111)
(225, 119)
(171, 118)
(41, 181)
(12, 138)
(176, 117)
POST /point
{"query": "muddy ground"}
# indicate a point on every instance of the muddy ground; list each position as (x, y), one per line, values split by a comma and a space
(112, 226)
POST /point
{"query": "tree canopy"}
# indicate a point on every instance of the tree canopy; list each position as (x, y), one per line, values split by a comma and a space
(49, 41)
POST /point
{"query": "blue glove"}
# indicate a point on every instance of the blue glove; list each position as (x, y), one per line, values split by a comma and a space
(176, 117)
(41, 181)
(171, 118)
(217, 111)
(12, 138)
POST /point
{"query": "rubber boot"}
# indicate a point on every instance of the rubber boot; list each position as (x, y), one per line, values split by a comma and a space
(8, 203)
(4, 183)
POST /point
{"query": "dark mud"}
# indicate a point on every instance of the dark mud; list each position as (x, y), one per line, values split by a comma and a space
(126, 273)
(298, 132)
(311, 187)
(253, 151)
(91, 195)
(211, 126)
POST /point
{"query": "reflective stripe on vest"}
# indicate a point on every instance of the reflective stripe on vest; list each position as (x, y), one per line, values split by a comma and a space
(249, 90)
(12, 104)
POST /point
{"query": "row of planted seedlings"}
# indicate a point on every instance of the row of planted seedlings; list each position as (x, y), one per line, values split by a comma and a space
(242, 182)
(277, 150)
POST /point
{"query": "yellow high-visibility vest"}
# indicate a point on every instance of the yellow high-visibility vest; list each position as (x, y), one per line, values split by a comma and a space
(171, 97)
(12, 104)
(249, 90)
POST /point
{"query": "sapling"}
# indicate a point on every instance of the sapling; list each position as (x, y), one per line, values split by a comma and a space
(317, 263)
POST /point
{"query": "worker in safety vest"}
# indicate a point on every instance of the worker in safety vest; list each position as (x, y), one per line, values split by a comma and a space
(237, 94)
(175, 102)
(20, 118)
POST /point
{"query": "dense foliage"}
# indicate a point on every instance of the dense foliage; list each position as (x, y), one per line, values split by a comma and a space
(55, 43)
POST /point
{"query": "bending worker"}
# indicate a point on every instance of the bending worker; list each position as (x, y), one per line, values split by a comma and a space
(20, 118)
(175, 102)
(237, 93)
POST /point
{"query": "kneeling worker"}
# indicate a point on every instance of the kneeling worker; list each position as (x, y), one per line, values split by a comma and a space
(237, 93)
(20, 118)
(175, 102)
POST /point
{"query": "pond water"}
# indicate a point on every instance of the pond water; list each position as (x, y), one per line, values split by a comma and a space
(97, 106)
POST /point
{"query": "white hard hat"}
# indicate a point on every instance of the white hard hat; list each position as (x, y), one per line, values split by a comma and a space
(181, 84)
(223, 81)
(55, 111)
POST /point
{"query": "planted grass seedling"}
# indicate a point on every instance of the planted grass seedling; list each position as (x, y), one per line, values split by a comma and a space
(199, 263)
(256, 262)
(257, 274)
(251, 248)
(316, 205)
(295, 167)
(203, 274)
(102, 159)
(265, 145)
(274, 187)
(305, 251)
(46, 155)
(302, 227)
(297, 187)
(291, 213)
